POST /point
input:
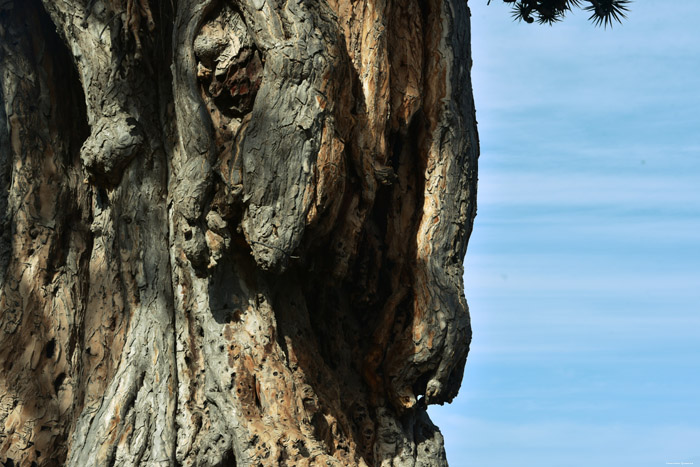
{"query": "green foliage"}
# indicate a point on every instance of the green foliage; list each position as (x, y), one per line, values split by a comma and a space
(603, 12)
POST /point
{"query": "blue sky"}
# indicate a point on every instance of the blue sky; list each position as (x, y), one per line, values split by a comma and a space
(583, 271)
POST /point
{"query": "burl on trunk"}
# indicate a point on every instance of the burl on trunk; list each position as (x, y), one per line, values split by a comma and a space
(232, 232)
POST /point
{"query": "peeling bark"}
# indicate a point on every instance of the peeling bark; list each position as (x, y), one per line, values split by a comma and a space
(232, 232)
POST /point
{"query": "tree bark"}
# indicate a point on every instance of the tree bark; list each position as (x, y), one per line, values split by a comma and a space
(232, 232)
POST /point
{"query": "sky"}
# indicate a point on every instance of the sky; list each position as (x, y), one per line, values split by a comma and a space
(583, 270)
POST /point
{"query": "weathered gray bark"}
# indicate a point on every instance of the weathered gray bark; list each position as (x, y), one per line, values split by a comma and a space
(232, 232)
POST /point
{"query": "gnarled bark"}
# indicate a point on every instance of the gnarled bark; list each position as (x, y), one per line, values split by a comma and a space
(232, 231)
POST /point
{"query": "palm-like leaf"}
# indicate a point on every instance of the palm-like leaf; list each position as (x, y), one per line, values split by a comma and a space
(605, 12)
(522, 12)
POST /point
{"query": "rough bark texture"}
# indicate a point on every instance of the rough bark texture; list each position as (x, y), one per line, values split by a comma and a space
(232, 232)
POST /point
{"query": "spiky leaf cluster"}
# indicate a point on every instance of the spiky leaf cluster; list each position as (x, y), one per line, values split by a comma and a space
(603, 12)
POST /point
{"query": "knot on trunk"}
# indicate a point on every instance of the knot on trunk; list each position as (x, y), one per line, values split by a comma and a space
(112, 144)
(229, 66)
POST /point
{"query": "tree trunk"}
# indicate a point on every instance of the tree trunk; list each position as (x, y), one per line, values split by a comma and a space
(232, 232)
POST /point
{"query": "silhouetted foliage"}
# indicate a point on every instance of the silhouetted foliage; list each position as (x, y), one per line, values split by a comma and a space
(603, 12)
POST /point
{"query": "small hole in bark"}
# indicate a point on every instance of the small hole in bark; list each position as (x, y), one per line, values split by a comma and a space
(50, 348)
(420, 385)
(58, 382)
(229, 457)
(301, 447)
(236, 317)
(188, 235)
(101, 197)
